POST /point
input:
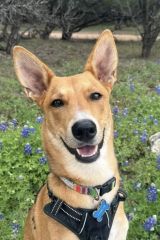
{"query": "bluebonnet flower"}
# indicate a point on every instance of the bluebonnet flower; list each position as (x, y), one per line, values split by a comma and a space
(115, 133)
(132, 87)
(155, 121)
(130, 216)
(38, 150)
(135, 132)
(152, 193)
(125, 112)
(39, 119)
(1, 216)
(144, 137)
(1, 144)
(150, 223)
(15, 228)
(43, 160)
(25, 131)
(27, 149)
(151, 117)
(32, 129)
(157, 89)
(144, 120)
(14, 122)
(135, 120)
(115, 110)
(3, 126)
(125, 163)
(158, 162)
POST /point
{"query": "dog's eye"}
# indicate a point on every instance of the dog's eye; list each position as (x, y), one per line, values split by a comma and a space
(95, 96)
(57, 103)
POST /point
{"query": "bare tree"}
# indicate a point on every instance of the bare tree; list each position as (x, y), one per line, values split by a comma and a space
(73, 15)
(145, 15)
(13, 13)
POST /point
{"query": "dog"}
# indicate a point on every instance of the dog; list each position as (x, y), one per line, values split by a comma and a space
(81, 199)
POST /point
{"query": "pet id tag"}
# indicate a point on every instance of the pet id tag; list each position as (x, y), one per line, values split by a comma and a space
(99, 213)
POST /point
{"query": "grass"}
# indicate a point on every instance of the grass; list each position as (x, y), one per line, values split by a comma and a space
(21, 176)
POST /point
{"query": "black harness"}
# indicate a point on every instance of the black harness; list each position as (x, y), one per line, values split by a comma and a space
(81, 221)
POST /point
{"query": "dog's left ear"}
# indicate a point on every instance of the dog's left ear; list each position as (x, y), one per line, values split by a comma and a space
(103, 60)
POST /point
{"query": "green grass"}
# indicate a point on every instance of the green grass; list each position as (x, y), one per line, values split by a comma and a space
(67, 58)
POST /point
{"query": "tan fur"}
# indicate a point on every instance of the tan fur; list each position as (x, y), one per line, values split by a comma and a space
(41, 84)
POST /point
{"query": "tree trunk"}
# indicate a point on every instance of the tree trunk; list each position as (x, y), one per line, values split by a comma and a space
(4, 31)
(13, 38)
(47, 30)
(66, 35)
(148, 41)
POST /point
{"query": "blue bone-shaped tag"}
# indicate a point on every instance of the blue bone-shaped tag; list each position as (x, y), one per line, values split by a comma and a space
(103, 207)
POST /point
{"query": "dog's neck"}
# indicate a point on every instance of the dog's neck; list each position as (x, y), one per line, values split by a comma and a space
(62, 191)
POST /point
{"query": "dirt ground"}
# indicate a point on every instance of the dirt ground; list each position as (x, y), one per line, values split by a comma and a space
(93, 36)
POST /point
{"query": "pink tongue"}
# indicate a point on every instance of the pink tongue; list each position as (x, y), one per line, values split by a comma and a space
(87, 150)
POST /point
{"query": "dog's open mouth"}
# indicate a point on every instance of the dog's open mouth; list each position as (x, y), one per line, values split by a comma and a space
(86, 153)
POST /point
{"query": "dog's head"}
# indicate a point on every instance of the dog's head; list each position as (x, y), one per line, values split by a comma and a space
(78, 119)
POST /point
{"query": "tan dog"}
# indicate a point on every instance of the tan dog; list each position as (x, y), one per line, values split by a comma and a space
(77, 136)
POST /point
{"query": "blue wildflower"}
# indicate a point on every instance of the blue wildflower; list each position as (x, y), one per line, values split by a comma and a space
(144, 120)
(152, 193)
(39, 119)
(125, 112)
(157, 89)
(150, 223)
(132, 87)
(25, 131)
(38, 150)
(144, 137)
(32, 129)
(130, 216)
(43, 160)
(3, 126)
(1, 144)
(135, 132)
(151, 117)
(158, 162)
(155, 121)
(135, 120)
(125, 163)
(115, 110)
(1, 216)
(15, 228)
(115, 133)
(27, 149)
(14, 122)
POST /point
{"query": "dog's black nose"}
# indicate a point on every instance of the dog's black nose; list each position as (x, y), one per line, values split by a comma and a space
(84, 130)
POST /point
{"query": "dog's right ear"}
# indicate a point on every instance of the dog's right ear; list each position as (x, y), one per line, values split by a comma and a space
(33, 74)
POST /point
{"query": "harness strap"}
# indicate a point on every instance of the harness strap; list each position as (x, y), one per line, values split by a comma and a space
(80, 221)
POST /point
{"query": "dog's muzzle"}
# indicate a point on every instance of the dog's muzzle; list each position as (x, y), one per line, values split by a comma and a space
(85, 131)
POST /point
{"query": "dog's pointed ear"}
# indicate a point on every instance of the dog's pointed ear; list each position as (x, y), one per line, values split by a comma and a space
(33, 74)
(103, 60)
